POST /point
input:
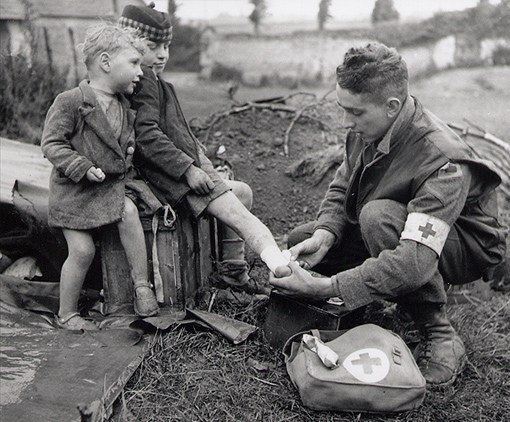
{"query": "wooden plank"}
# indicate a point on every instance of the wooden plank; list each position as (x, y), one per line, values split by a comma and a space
(185, 261)
(117, 284)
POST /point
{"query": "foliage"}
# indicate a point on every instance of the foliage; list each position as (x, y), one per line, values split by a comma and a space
(323, 14)
(258, 14)
(172, 11)
(384, 11)
(221, 72)
(501, 56)
(185, 48)
(484, 20)
(27, 90)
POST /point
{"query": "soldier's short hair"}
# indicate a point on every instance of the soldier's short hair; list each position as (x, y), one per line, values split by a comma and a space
(375, 70)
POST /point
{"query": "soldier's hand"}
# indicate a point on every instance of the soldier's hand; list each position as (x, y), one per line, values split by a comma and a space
(311, 251)
(301, 283)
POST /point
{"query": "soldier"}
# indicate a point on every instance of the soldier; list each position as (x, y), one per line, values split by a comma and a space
(409, 211)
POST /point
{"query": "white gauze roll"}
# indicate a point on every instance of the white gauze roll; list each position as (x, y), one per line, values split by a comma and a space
(274, 258)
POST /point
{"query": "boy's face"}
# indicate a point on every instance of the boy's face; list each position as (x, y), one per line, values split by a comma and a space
(156, 55)
(370, 119)
(124, 70)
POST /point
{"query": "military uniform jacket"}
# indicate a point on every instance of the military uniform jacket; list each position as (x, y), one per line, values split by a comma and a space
(411, 167)
(76, 137)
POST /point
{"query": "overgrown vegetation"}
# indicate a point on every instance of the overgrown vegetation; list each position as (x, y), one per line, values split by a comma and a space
(185, 48)
(384, 11)
(27, 89)
(483, 21)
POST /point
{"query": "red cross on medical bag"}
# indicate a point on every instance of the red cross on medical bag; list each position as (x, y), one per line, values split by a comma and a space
(364, 369)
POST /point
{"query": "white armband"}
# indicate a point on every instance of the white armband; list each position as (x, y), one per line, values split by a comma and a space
(427, 230)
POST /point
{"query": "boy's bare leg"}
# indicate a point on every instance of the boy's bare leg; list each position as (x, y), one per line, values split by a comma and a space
(81, 253)
(133, 240)
(228, 209)
(233, 245)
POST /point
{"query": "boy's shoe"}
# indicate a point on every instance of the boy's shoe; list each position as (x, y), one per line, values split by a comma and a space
(145, 303)
(75, 322)
(234, 273)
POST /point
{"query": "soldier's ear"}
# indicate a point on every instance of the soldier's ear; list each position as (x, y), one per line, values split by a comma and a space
(393, 106)
(104, 61)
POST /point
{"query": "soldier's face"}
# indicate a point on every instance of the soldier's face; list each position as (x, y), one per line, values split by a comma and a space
(370, 119)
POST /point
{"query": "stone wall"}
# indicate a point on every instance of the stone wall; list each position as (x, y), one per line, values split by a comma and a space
(309, 58)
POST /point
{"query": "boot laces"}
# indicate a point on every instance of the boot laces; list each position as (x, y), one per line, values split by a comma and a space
(425, 344)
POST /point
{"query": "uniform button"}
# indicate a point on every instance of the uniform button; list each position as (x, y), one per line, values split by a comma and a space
(130, 150)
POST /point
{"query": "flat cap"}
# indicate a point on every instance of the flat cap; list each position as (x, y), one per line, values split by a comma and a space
(152, 24)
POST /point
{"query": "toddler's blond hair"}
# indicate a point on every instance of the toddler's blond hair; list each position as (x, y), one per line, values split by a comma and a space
(108, 37)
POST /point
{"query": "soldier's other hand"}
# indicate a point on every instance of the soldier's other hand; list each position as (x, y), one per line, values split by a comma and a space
(301, 283)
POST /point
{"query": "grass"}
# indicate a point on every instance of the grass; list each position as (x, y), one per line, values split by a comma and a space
(200, 376)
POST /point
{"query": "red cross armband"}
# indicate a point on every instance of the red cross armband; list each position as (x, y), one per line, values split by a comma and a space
(427, 230)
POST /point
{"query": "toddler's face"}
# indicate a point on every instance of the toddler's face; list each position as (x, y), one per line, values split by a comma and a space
(125, 70)
(156, 55)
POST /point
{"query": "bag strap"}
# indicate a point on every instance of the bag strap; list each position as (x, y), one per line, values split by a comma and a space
(316, 333)
(296, 338)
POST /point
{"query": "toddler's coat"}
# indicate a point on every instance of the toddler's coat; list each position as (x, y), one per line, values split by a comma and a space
(76, 137)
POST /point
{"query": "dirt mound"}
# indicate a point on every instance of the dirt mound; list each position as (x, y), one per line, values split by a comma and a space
(254, 143)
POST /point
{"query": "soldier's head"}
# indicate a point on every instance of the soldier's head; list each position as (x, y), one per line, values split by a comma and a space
(372, 86)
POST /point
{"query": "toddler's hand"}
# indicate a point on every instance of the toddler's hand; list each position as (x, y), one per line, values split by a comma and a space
(95, 174)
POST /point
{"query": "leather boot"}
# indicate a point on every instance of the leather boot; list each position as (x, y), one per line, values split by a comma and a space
(233, 269)
(441, 354)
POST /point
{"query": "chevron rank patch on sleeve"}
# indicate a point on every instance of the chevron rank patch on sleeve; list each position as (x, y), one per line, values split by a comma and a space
(427, 230)
(450, 170)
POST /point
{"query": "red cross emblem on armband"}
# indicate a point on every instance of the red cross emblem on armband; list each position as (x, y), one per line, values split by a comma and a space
(427, 231)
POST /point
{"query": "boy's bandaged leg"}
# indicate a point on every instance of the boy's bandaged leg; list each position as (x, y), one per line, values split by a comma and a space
(274, 258)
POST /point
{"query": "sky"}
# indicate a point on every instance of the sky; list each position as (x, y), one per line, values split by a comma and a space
(307, 9)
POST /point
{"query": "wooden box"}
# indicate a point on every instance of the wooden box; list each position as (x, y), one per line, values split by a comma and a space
(185, 250)
(287, 316)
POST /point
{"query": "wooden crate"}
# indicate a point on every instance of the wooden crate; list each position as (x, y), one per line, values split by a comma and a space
(186, 252)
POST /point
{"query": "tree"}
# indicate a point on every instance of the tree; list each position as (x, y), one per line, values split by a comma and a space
(384, 11)
(258, 14)
(172, 11)
(323, 14)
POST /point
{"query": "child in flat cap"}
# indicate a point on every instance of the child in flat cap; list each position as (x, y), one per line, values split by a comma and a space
(172, 160)
(89, 138)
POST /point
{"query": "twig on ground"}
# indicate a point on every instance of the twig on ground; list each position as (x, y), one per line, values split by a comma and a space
(494, 314)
